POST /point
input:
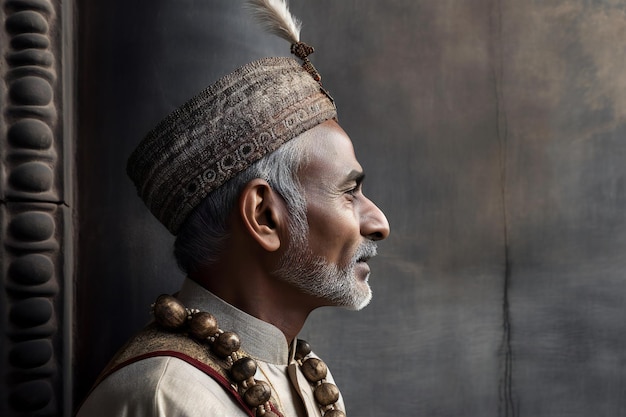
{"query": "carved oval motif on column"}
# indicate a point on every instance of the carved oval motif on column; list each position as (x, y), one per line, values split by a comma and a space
(31, 57)
(31, 91)
(31, 396)
(31, 270)
(31, 354)
(31, 312)
(30, 40)
(30, 134)
(32, 226)
(33, 177)
(28, 21)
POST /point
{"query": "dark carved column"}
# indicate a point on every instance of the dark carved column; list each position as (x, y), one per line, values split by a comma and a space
(35, 212)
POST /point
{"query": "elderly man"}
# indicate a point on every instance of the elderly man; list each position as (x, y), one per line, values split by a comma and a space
(262, 188)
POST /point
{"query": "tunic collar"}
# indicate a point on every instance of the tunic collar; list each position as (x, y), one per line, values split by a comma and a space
(259, 339)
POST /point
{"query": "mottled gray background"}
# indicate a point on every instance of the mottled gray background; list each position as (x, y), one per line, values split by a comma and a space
(493, 134)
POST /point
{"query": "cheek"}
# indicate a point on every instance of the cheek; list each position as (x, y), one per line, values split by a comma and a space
(334, 234)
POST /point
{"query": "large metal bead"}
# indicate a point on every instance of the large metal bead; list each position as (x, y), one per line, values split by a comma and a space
(203, 325)
(243, 369)
(226, 343)
(169, 312)
(326, 394)
(257, 394)
(314, 369)
(302, 349)
(334, 413)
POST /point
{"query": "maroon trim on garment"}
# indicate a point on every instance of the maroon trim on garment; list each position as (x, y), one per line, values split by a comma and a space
(198, 365)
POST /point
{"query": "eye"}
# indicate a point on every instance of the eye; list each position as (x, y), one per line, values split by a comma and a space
(354, 191)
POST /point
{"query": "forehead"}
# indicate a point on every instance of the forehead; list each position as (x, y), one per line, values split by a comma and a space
(330, 155)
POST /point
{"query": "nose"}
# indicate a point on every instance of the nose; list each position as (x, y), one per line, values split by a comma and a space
(374, 224)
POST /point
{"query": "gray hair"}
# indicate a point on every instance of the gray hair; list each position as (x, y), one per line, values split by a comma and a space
(202, 236)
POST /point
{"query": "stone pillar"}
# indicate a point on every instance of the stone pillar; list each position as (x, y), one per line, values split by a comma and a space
(35, 210)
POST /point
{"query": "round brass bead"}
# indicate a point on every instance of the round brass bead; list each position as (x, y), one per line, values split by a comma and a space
(226, 343)
(334, 413)
(243, 369)
(203, 325)
(314, 369)
(169, 312)
(257, 394)
(302, 349)
(326, 394)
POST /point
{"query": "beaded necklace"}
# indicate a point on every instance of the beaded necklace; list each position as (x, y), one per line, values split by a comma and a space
(202, 326)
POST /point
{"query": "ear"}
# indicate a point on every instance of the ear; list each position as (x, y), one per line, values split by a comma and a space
(262, 212)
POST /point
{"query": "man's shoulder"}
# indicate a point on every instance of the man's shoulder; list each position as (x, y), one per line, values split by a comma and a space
(157, 371)
(159, 374)
(157, 386)
(155, 342)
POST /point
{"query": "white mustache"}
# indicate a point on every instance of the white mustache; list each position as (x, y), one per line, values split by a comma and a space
(366, 250)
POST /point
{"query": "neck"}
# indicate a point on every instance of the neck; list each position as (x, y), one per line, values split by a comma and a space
(259, 295)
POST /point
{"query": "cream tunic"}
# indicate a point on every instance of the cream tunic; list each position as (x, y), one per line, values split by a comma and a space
(170, 387)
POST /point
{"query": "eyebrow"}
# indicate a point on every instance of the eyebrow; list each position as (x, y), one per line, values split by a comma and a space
(356, 176)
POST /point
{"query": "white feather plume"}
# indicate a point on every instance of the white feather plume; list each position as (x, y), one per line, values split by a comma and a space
(274, 15)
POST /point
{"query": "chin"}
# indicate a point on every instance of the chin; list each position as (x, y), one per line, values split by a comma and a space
(358, 302)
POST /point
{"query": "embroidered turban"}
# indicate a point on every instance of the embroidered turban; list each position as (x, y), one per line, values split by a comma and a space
(222, 131)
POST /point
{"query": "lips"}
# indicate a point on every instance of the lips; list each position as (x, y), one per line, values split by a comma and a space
(362, 270)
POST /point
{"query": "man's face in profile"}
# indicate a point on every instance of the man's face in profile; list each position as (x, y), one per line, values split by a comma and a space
(331, 262)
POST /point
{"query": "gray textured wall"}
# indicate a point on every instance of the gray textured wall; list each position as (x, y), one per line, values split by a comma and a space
(493, 136)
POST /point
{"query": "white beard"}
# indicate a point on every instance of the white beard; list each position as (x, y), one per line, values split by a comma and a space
(315, 276)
